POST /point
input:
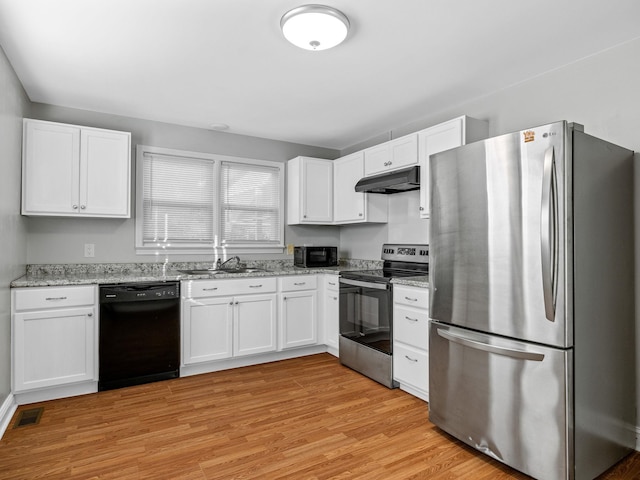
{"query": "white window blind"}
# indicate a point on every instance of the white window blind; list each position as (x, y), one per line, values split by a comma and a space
(178, 194)
(250, 204)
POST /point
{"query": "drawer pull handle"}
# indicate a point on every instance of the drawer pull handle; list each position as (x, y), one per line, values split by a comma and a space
(56, 298)
(411, 359)
(255, 286)
(209, 289)
(332, 283)
(411, 299)
(411, 319)
(300, 283)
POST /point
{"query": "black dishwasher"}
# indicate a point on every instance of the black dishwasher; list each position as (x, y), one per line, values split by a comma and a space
(139, 333)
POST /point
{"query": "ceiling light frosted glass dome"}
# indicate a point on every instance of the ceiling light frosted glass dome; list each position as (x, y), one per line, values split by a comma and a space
(315, 27)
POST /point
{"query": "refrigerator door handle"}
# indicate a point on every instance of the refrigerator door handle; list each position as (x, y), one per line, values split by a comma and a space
(547, 234)
(475, 344)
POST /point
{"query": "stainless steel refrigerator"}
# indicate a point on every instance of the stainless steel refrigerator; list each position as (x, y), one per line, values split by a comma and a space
(532, 336)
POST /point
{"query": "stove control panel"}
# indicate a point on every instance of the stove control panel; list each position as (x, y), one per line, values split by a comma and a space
(418, 253)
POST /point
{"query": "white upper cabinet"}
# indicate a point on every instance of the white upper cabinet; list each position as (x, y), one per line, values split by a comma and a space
(350, 206)
(391, 155)
(69, 170)
(441, 137)
(309, 191)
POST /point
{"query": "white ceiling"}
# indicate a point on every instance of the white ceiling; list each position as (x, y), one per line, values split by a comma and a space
(199, 62)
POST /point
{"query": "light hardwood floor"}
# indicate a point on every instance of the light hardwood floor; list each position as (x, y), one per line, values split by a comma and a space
(306, 418)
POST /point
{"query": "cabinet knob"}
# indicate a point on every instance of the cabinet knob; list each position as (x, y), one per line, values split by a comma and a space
(230, 303)
(83, 207)
(304, 216)
(421, 209)
(284, 298)
(75, 207)
(89, 314)
(359, 214)
(335, 298)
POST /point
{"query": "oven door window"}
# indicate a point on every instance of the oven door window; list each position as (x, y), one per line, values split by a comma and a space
(365, 316)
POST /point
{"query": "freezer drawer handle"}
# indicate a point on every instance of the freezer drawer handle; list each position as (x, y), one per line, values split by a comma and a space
(507, 352)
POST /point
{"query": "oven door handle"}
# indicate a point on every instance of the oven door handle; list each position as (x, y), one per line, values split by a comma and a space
(358, 283)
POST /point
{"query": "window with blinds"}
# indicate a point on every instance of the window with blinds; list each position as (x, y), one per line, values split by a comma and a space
(192, 203)
(249, 204)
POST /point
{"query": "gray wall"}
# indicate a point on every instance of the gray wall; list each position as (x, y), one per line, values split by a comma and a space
(14, 104)
(61, 240)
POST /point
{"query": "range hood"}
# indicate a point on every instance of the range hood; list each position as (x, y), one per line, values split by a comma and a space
(403, 180)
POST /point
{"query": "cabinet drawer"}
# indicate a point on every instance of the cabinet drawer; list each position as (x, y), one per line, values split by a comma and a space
(332, 283)
(411, 326)
(213, 288)
(299, 282)
(411, 366)
(415, 297)
(53, 297)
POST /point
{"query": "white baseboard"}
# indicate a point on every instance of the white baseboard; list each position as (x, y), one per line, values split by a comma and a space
(7, 409)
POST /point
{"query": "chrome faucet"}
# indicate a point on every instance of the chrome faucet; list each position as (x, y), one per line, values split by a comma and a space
(220, 264)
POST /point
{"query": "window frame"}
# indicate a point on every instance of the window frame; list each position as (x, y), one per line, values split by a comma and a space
(216, 247)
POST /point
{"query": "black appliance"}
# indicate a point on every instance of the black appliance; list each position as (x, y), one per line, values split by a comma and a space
(139, 333)
(366, 310)
(312, 256)
(397, 181)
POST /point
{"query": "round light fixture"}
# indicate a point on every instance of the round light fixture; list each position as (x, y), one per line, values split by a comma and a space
(314, 27)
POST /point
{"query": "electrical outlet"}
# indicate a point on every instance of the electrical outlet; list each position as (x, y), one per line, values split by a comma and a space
(89, 250)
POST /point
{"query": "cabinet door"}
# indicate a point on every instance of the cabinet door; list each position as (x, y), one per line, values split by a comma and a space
(331, 320)
(391, 155)
(50, 169)
(207, 329)
(254, 328)
(105, 166)
(348, 205)
(433, 140)
(298, 319)
(317, 191)
(53, 348)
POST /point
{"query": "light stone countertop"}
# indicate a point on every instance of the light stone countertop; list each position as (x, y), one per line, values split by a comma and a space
(92, 274)
(421, 281)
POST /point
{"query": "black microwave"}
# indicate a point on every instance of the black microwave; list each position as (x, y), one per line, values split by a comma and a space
(315, 256)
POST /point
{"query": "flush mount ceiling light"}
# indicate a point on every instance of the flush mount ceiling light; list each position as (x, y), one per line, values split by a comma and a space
(314, 27)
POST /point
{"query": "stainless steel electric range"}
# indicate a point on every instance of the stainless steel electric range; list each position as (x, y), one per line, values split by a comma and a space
(366, 310)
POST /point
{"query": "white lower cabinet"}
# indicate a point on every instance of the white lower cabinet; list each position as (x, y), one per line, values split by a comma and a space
(225, 318)
(54, 342)
(331, 312)
(411, 339)
(298, 311)
(254, 327)
(207, 332)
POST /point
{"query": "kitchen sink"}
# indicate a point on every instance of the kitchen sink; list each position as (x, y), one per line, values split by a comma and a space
(214, 271)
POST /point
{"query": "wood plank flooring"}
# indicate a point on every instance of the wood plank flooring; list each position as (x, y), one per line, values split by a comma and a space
(306, 418)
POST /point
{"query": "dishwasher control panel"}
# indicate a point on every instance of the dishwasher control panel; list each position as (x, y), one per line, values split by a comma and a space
(131, 292)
